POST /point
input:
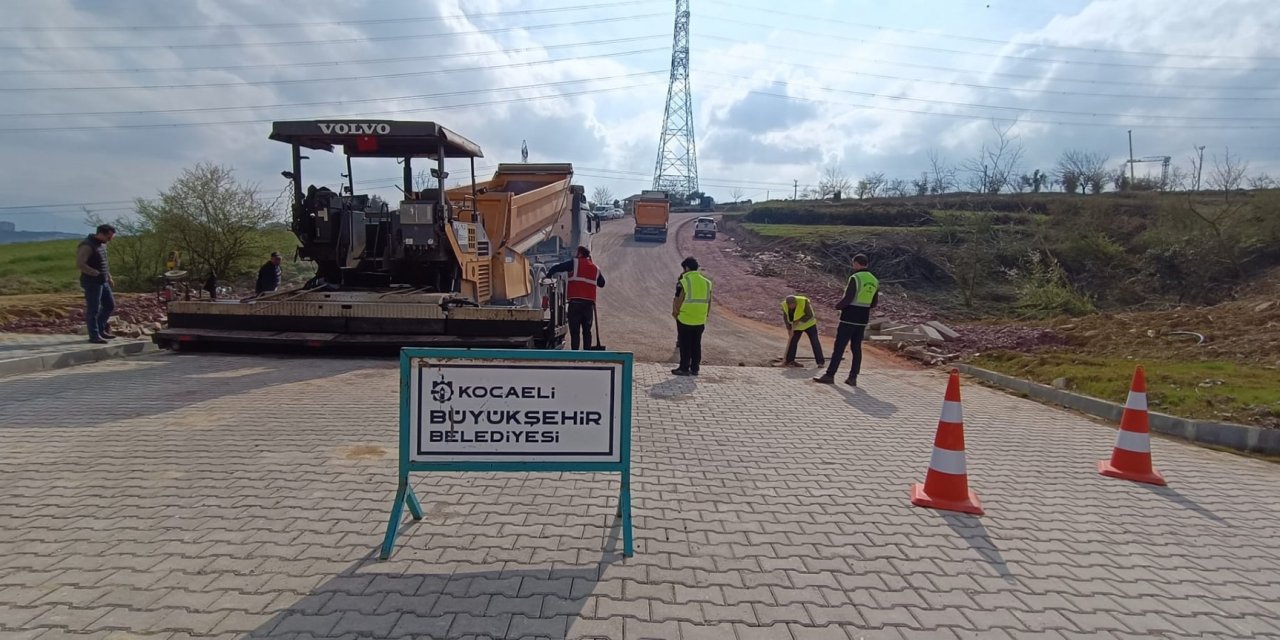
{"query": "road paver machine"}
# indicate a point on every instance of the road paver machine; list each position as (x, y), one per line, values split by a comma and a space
(446, 267)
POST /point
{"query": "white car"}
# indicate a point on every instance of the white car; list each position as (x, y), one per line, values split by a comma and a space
(602, 212)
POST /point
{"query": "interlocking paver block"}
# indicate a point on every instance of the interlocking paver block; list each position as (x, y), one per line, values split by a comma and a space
(365, 624)
(268, 531)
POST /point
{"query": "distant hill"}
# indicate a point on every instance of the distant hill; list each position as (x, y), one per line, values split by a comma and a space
(14, 237)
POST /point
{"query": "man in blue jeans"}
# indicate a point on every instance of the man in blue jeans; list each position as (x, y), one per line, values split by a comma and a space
(96, 280)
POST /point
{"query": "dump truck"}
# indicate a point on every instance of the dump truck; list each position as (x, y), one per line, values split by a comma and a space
(446, 267)
(652, 213)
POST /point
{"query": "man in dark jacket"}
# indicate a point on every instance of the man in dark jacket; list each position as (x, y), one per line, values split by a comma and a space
(269, 275)
(96, 280)
(584, 279)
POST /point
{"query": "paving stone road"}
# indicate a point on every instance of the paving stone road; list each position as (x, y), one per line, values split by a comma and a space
(177, 496)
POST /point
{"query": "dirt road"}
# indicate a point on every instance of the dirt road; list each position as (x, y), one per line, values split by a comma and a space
(635, 306)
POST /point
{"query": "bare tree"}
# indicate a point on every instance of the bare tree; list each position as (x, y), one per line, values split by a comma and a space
(1177, 180)
(897, 188)
(737, 194)
(1197, 168)
(870, 185)
(602, 195)
(833, 181)
(920, 186)
(942, 176)
(996, 163)
(1228, 174)
(1082, 170)
(1262, 181)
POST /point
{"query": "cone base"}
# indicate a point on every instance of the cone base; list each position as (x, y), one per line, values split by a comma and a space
(922, 499)
(1105, 468)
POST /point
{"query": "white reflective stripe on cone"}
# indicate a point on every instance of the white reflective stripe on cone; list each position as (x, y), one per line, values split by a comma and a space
(1137, 400)
(947, 461)
(1135, 442)
(952, 412)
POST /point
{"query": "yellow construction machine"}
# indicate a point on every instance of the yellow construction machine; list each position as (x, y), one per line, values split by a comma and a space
(446, 267)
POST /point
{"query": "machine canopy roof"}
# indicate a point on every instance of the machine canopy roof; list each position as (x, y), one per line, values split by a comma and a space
(376, 138)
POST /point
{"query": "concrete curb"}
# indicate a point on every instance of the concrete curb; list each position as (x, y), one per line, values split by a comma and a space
(1219, 434)
(49, 361)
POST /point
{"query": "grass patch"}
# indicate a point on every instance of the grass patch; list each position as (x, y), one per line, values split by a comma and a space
(48, 266)
(1208, 389)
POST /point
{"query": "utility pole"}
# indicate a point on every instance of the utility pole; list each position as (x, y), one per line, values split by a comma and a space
(795, 191)
(1131, 178)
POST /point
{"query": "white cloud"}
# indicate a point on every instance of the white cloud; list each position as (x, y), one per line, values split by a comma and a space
(744, 136)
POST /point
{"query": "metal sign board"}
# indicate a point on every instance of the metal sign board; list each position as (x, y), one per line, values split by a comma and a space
(467, 410)
(513, 410)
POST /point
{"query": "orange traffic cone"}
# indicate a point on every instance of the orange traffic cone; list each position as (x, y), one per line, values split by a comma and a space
(946, 485)
(1131, 459)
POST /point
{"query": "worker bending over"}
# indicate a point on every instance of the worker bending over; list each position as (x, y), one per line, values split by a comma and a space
(797, 313)
(584, 280)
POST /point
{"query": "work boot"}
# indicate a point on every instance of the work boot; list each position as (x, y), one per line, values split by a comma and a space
(97, 341)
(681, 372)
(792, 363)
(825, 378)
(821, 363)
(107, 336)
(853, 382)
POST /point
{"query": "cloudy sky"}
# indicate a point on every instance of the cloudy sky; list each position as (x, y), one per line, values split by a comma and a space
(104, 102)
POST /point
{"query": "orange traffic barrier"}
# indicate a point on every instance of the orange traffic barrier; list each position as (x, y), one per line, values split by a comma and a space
(946, 485)
(1131, 459)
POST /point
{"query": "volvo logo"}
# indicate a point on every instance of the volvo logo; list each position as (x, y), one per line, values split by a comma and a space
(356, 128)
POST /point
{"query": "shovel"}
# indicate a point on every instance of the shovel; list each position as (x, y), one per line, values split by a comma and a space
(596, 346)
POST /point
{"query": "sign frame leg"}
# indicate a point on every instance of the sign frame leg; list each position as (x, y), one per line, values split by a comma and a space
(404, 494)
(624, 510)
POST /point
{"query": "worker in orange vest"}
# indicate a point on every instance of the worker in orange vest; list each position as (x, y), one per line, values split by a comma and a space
(584, 280)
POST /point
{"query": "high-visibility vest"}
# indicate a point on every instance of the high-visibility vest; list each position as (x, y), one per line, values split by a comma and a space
(582, 280)
(802, 303)
(868, 285)
(697, 299)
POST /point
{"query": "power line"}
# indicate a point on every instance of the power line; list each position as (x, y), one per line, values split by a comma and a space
(276, 25)
(641, 173)
(347, 115)
(342, 63)
(999, 56)
(333, 102)
(989, 117)
(993, 87)
(240, 83)
(298, 43)
(1023, 76)
(824, 19)
(951, 103)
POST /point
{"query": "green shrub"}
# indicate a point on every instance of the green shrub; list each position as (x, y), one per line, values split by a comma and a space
(1043, 290)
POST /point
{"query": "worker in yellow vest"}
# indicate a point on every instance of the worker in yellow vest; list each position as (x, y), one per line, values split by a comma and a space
(797, 313)
(691, 307)
(860, 295)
